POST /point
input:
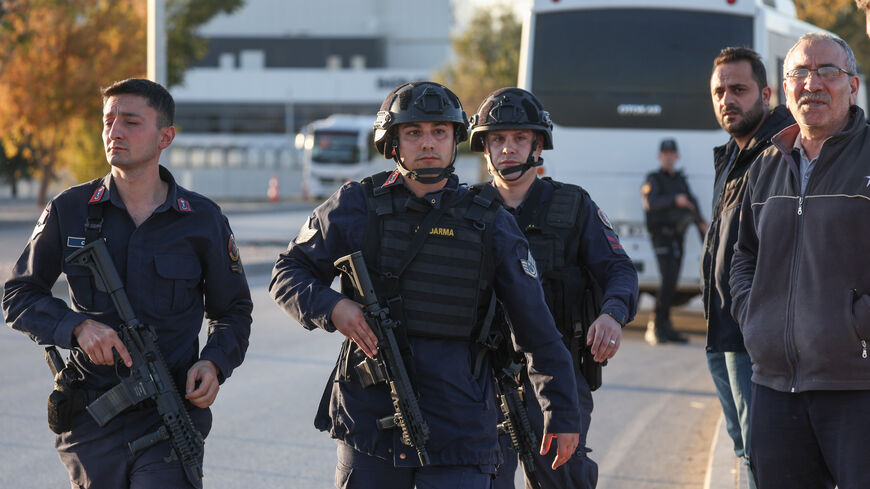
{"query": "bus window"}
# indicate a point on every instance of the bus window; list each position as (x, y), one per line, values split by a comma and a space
(631, 68)
(335, 147)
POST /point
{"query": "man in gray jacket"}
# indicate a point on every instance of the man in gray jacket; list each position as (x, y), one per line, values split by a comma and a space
(800, 283)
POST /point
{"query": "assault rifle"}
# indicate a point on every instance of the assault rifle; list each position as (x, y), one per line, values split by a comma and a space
(389, 364)
(149, 376)
(516, 419)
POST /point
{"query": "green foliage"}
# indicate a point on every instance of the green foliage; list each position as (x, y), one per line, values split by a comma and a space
(16, 162)
(487, 56)
(184, 17)
(842, 18)
(56, 55)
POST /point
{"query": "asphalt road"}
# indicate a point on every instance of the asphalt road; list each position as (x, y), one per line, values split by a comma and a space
(651, 428)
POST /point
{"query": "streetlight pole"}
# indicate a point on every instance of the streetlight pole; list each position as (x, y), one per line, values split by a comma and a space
(157, 70)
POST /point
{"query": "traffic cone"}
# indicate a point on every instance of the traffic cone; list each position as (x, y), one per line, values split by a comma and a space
(272, 193)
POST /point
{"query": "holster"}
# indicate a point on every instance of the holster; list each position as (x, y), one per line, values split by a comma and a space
(66, 401)
(590, 369)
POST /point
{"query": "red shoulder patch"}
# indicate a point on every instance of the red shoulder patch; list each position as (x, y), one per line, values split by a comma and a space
(183, 205)
(391, 179)
(98, 194)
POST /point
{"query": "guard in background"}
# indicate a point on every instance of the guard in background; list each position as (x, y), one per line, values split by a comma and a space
(436, 252)
(174, 252)
(576, 251)
(670, 209)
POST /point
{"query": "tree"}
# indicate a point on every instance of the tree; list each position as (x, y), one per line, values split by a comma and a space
(184, 17)
(16, 163)
(842, 18)
(487, 56)
(55, 57)
(52, 80)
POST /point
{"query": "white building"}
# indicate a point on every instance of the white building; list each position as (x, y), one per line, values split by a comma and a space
(275, 65)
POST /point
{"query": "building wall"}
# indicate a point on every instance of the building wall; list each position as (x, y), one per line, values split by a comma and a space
(276, 65)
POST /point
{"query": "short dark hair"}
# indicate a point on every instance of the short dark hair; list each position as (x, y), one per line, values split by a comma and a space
(734, 54)
(157, 97)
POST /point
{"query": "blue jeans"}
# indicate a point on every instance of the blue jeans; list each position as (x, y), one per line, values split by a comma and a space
(732, 374)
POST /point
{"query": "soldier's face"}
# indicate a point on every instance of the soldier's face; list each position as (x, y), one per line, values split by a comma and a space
(668, 159)
(130, 134)
(819, 106)
(425, 144)
(509, 148)
(737, 101)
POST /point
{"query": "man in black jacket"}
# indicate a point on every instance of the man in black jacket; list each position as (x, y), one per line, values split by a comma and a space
(740, 101)
(670, 208)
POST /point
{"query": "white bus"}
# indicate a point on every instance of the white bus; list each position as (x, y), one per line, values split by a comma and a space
(335, 150)
(341, 148)
(618, 76)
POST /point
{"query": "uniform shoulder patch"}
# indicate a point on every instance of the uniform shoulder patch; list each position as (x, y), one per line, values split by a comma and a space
(184, 205)
(40, 223)
(233, 249)
(604, 219)
(307, 233)
(98, 194)
(529, 265)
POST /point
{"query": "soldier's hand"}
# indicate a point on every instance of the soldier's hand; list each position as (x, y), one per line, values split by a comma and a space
(202, 383)
(97, 340)
(348, 319)
(605, 336)
(682, 200)
(566, 446)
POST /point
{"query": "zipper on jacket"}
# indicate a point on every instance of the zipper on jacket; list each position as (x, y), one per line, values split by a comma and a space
(789, 327)
(863, 348)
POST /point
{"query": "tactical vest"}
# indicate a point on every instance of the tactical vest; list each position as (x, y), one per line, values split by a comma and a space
(553, 234)
(439, 284)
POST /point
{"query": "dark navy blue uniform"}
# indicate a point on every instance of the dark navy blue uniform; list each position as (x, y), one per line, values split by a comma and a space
(178, 264)
(459, 408)
(667, 226)
(602, 254)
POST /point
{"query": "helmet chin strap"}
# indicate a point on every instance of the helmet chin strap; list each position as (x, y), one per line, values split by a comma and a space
(428, 175)
(522, 169)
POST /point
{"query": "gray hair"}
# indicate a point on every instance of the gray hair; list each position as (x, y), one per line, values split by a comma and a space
(811, 37)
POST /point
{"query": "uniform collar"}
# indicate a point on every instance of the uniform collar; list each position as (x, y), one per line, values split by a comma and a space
(174, 195)
(432, 199)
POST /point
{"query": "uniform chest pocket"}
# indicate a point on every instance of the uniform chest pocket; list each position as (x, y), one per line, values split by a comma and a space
(177, 282)
(83, 291)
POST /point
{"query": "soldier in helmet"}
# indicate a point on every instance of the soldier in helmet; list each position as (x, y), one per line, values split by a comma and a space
(576, 251)
(437, 253)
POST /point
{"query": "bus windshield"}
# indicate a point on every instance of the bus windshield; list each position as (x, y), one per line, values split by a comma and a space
(335, 147)
(631, 68)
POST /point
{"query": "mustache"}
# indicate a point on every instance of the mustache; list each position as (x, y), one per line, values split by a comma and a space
(732, 108)
(813, 97)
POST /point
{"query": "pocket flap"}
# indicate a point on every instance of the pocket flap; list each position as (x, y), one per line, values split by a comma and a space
(177, 266)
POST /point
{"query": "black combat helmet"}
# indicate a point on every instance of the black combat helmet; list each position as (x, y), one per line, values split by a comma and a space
(420, 101)
(510, 108)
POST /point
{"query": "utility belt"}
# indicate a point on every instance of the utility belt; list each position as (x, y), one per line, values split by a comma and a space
(71, 397)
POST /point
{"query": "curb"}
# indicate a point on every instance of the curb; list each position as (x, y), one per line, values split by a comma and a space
(724, 469)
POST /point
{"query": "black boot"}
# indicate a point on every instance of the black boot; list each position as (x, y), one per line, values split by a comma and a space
(671, 334)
